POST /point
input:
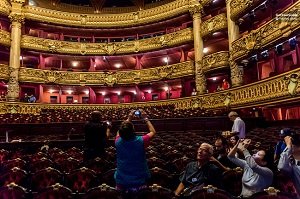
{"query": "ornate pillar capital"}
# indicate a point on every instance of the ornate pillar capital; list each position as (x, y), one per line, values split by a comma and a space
(17, 17)
(196, 10)
(236, 73)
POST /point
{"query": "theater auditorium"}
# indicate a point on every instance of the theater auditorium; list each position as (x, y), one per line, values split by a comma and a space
(149, 99)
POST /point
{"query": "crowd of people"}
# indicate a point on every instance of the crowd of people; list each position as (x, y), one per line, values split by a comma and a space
(211, 161)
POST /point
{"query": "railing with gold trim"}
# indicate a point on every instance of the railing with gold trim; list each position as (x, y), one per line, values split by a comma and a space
(5, 7)
(214, 24)
(4, 37)
(48, 45)
(100, 78)
(151, 15)
(215, 61)
(271, 91)
(268, 34)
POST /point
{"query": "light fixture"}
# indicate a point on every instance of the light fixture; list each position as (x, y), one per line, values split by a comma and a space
(214, 78)
(265, 54)
(134, 92)
(75, 63)
(86, 92)
(166, 88)
(279, 48)
(118, 65)
(119, 92)
(149, 91)
(214, 1)
(21, 57)
(103, 93)
(51, 91)
(166, 59)
(205, 50)
(69, 92)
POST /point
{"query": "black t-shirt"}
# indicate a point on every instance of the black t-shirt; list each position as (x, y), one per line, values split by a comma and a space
(95, 135)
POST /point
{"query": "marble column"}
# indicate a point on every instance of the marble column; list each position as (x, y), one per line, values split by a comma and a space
(200, 78)
(236, 71)
(17, 19)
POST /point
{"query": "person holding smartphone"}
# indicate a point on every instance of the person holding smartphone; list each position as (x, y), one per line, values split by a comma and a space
(257, 176)
(289, 161)
(132, 170)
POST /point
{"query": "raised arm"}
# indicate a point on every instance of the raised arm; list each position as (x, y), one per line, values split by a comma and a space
(235, 160)
(151, 128)
(284, 161)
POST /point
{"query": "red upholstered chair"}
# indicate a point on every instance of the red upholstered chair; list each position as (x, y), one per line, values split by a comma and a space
(15, 175)
(68, 165)
(40, 164)
(232, 181)
(154, 192)
(99, 165)
(12, 191)
(108, 178)
(102, 192)
(4, 154)
(210, 192)
(179, 164)
(18, 162)
(56, 191)
(156, 162)
(272, 193)
(160, 177)
(81, 180)
(45, 178)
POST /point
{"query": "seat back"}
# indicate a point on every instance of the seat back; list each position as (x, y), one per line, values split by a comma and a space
(12, 191)
(56, 191)
(15, 175)
(160, 177)
(210, 192)
(102, 192)
(45, 178)
(272, 193)
(232, 181)
(154, 192)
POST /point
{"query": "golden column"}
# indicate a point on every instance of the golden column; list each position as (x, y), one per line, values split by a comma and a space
(17, 19)
(195, 11)
(236, 71)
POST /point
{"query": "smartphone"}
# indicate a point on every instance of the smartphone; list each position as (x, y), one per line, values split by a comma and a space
(137, 113)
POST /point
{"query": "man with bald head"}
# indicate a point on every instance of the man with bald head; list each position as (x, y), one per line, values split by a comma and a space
(238, 124)
(200, 172)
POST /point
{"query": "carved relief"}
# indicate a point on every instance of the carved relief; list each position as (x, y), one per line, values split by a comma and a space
(200, 78)
(238, 7)
(17, 17)
(214, 24)
(4, 72)
(236, 73)
(54, 46)
(13, 85)
(292, 83)
(5, 7)
(266, 35)
(215, 61)
(4, 38)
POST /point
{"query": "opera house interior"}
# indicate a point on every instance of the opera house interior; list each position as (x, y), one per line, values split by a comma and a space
(186, 63)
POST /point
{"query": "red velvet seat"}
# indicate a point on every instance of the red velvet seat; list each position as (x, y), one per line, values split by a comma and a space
(160, 177)
(156, 162)
(80, 180)
(232, 181)
(45, 178)
(4, 154)
(56, 191)
(178, 165)
(99, 165)
(108, 178)
(12, 191)
(154, 192)
(18, 162)
(40, 164)
(68, 165)
(272, 193)
(15, 175)
(210, 192)
(102, 192)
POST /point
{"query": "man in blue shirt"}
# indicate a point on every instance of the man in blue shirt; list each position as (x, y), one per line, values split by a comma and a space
(280, 146)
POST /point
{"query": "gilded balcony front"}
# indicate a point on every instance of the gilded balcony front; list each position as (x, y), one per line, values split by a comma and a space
(214, 24)
(279, 28)
(173, 39)
(4, 72)
(4, 38)
(275, 90)
(215, 61)
(141, 17)
(5, 7)
(100, 78)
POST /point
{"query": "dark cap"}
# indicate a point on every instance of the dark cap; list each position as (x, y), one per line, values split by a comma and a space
(285, 132)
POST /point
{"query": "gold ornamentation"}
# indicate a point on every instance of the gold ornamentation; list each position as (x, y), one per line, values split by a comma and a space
(131, 18)
(13, 85)
(214, 24)
(83, 19)
(196, 9)
(18, 1)
(155, 43)
(238, 7)
(110, 79)
(266, 35)
(292, 83)
(17, 17)
(4, 38)
(215, 61)
(271, 191)
(200, 78)
(236, 73)
(5, 7)
(4, 72)
(210, 189)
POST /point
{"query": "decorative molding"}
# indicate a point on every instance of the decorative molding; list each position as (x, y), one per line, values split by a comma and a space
(17, 17)
(155, 43)
(268, 34)
(269, 91)
(4, 72)
(4, 38)
(151, 15)
(237, 7)
(214, 24)
(215, 61)
(5, 7)
(100, 78)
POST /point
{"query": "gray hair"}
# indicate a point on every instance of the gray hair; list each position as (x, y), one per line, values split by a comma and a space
(233, 113)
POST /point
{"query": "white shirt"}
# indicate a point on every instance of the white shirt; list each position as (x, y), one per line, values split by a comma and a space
(239, 126)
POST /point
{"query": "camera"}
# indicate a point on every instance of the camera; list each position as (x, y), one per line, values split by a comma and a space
(137, 113)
